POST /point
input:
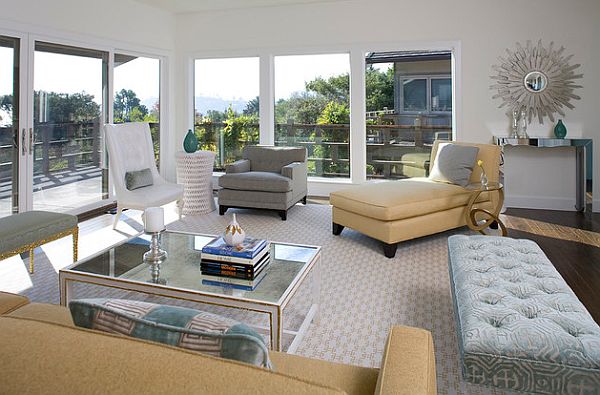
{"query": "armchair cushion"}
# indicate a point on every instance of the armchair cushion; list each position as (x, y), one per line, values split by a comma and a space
(240, 166)
(256, 181)
(138, 179)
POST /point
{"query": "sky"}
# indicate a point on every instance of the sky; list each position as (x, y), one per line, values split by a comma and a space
(238, 78)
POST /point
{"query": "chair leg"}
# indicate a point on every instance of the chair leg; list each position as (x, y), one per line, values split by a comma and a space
(336, 228)
(31, 261)
(117, 216)
(75, 243)
(390, 249)
(304, 200)
(283, 214)
(222, 210)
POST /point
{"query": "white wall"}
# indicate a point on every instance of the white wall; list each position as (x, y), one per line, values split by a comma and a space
(484, 29)
(120, 21)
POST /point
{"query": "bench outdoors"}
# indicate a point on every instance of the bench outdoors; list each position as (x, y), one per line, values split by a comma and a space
(25, 231)
(520, 326)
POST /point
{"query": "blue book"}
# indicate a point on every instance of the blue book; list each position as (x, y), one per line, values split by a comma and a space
(249, 248)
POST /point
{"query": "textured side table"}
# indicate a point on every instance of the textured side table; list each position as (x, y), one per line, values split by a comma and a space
(194, 172)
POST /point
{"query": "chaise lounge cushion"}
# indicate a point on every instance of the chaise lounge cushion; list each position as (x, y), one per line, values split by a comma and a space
(256, 181)
(396, 200)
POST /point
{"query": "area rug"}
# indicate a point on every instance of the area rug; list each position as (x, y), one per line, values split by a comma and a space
(362, 293)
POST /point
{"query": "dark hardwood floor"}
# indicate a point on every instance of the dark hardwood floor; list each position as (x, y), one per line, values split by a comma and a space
(571, 241)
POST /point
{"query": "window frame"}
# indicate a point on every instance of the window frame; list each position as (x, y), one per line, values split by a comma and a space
(427, 78)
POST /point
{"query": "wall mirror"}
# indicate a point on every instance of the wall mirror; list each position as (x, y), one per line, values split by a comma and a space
(537, 79)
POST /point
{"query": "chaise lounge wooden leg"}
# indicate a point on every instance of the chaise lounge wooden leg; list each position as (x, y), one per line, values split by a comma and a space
(390, 249)
(222, 210)
(283, 214)
(336, 228)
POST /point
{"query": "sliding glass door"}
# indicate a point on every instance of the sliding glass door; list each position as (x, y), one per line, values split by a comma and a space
(69, 102)
(9, 125)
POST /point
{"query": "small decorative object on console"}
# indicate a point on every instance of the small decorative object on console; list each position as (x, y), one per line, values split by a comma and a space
(560, 130)
(234, 234)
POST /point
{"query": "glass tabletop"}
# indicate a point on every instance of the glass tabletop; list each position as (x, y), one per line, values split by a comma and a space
(181, 269)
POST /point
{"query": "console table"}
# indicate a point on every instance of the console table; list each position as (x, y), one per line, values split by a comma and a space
(580, 145)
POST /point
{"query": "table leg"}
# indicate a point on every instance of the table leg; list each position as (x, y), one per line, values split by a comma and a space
(580, 178)
(276, 329)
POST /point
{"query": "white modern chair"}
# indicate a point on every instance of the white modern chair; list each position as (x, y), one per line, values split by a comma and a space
(130, 148)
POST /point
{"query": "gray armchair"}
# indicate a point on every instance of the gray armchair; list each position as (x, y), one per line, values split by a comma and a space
(271, 178)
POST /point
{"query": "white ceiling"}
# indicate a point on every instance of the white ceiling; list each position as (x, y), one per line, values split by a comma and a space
(187, 6)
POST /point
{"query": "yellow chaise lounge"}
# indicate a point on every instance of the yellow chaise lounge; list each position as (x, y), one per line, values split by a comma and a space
(396, 211)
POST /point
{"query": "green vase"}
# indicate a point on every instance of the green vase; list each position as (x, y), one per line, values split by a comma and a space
(560, 130)
(190, 142)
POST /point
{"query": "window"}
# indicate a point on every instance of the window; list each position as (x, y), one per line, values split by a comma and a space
(409, 105)
(312, 109)
(226, 106)
(137, 94)
(70, 86)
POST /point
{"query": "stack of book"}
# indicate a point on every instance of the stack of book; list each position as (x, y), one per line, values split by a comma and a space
(242, 266)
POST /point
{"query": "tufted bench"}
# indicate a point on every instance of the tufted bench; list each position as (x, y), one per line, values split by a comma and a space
(520, 326)
(24, 231)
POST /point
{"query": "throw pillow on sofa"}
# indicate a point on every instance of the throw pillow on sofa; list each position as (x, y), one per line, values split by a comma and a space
(176, 326)
(454, 164)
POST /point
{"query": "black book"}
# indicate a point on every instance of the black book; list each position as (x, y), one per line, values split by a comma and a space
(223, 272)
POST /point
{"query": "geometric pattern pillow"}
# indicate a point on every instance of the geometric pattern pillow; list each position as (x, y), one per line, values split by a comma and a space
(176, 326)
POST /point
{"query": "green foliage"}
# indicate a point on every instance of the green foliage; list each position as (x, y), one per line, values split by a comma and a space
(239, 130)
(252, 107)
(301, 107)
(336, 88)
(65, 107)
(379, 88)
(335, 113)
(127, 107)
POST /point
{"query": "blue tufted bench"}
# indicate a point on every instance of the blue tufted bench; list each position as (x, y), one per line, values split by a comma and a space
(520, 326)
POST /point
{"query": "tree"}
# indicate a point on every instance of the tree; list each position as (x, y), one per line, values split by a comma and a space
(65, 107)
(335, 113)
(301, 107)
(379, 88)
(127, 107)
(252, 107)
(335, 88)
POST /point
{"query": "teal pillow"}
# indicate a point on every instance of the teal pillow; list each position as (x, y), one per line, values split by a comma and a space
(138, 179)
(177, 326)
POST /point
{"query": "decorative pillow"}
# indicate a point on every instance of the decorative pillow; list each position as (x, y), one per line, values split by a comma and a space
(454, 163)
(177, 326)
(138, 179)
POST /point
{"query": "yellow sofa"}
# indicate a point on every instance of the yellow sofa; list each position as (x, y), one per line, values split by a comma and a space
(395, 211)
(43, 352)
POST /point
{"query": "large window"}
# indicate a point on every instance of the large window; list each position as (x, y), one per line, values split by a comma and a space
(69, 101)
(409, 105)
(226, 106)
(137, 93)
(9, 125)
(312, 109)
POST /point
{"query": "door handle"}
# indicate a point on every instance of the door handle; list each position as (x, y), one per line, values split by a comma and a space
(23, 146)
(30, 141)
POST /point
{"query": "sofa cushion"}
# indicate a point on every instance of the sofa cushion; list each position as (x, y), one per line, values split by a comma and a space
(256, 181)
(45, 358)
(10, 302)
(394, 200)
(45, 312)
(454, 163)
(177, 326)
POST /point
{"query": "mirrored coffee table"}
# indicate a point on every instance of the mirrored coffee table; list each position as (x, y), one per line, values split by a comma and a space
(121, 267)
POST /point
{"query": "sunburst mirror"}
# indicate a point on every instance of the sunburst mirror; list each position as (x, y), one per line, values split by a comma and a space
(537, 79)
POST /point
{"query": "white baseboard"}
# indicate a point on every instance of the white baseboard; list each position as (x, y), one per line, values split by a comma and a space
(537, 202)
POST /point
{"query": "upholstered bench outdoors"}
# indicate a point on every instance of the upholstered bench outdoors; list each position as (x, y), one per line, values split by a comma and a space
(25, 231)
(520, 326)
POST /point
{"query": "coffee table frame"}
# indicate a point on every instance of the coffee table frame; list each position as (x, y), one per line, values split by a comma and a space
(67, 277)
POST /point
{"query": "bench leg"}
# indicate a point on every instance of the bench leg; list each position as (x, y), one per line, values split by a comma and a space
(75, 243)
(390, 249)
(117, 216)
(31, 261)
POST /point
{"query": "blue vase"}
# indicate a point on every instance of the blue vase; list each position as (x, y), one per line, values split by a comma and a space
(560, 130)
(190, 142)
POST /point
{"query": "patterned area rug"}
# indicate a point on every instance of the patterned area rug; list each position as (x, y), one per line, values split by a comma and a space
(362, 293)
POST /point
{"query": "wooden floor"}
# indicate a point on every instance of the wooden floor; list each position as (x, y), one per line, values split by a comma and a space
(571, 241)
